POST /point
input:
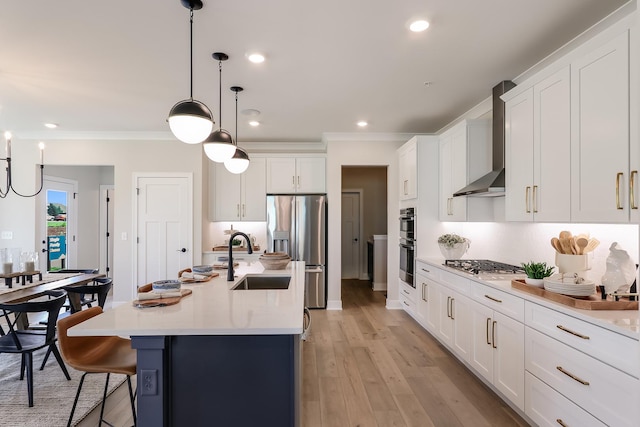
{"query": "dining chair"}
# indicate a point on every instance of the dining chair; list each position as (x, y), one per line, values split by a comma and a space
(96, 354)
(100, 288)
(25, 342)
(83, 298)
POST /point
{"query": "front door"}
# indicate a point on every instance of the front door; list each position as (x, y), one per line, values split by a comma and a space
(164, 226)
(57, 224)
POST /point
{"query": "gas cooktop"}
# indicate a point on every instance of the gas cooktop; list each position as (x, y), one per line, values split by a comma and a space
(486, 269)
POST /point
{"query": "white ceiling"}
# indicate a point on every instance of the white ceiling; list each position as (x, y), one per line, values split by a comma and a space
(118, 66)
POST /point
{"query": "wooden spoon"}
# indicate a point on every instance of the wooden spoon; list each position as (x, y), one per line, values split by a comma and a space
(566, 246)
(556, 244)
(593, 243)
(582, 244)
(564, 234)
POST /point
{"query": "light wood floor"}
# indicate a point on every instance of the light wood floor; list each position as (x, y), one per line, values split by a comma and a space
(368, 366)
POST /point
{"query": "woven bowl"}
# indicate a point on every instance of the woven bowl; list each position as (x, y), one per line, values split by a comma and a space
(274, 263)
(166, 285)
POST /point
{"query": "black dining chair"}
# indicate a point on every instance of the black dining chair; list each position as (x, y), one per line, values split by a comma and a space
(25, 342)
(84, 300)
(99, 288)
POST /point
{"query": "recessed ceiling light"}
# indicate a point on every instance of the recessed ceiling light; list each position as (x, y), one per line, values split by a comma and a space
(251, 112)
(256, 58)
(418, 26)
(51, 125)
(362, 123)
(254, 123)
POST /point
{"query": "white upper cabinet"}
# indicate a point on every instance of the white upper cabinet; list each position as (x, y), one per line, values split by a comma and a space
(538, 152)
(238, 197)
(602, 174)
(465, 155)
(408, 170)
(296, 175)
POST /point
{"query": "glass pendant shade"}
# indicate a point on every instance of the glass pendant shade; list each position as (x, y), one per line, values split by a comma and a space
(219, 146)
(238, 163)
(190, 121)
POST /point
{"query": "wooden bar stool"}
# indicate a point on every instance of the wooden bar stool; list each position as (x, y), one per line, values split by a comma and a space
(94, 355)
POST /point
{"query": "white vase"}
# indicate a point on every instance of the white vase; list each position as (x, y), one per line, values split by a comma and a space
(534, 282)
(454, 252)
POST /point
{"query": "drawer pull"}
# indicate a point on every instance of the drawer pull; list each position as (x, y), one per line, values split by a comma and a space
(424, 269)
(493, 299)
(405, 303)
(493, 334)
(570, 375)
(559, 421)
(569, 331)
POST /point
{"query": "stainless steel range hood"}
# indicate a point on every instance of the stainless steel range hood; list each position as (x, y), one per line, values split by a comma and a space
(492, 184)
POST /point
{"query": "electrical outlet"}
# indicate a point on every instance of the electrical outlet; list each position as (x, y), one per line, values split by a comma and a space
(149, 382)
(6, 235)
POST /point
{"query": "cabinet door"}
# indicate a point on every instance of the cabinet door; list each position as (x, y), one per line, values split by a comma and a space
(551, 192)
(281, 175)
(508, 362)
(519, 157)
(254, 191)
(600, 134)
(408, 159)
(446, 160)
(226, 196)
(461, 313)
(310, 177)
(422, 297)
(481, 356)
(459, 174)
(445, 332)
(433, 308)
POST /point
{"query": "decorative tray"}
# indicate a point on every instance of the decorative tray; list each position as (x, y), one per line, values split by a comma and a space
(206, 278)
(159, 302)
(591, 302)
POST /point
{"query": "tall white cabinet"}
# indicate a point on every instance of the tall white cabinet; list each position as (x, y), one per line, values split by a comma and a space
(408, 169)
(538, 152)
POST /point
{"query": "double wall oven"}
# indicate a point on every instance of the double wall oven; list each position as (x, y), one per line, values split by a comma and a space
(407, 244)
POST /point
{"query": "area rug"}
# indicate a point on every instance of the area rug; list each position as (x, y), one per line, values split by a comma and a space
(52, 396)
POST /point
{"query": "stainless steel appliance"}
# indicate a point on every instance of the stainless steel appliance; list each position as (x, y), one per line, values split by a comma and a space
(486, 269)
(297, 225)
(407, 245)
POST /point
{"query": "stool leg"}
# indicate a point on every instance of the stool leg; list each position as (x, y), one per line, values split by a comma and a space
(104, 399)
(131, 398)
(30, 377)
(75, 402)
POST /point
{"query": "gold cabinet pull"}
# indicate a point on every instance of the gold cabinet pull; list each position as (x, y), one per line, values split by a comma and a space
(448, 312)
(569, 331)
(424, 286)
(535, 197)
(492, 298)
(632, 196)
(570, 375)
(526, 199)
(493, 334)
(488, 322)
(559, 421)
(618, 176)
(244, 210)
(452, 316)
(238, 210)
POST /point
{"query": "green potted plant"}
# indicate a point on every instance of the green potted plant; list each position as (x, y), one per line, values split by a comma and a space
(536, 272)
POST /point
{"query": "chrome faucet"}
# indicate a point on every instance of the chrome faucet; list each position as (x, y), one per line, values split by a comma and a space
(250, 251)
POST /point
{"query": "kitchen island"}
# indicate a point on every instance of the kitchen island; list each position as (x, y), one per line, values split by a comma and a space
(218, 357)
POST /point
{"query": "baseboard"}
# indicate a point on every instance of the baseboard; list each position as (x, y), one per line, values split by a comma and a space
(394, 304)
(380, 286)
(334, 305)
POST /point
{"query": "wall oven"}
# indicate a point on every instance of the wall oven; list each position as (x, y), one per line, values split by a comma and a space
(407, 245)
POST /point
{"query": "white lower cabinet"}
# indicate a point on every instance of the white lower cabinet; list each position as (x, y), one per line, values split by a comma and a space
(607, 393)
(548, 408)
(408, 298)
(497, 351)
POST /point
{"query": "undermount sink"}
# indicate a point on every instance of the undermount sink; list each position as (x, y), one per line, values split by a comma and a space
(263, 282)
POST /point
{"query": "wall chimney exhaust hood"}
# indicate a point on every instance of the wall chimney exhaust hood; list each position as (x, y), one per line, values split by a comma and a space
(492, 184)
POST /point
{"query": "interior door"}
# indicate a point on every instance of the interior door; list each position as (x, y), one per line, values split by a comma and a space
(350, 235)
(164, 226)
(58, 224)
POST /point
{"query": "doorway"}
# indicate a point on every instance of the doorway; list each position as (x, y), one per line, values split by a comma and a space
(164, 226)
(351, 222)
(57, 224)
(107, 203)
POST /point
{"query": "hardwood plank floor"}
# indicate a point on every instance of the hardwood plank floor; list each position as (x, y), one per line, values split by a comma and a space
(366, 366)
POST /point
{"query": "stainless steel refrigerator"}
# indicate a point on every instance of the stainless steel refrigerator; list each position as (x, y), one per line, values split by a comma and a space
(297, 225)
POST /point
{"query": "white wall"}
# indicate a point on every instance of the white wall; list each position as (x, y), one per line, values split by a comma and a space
(356, 150)
(127, 157)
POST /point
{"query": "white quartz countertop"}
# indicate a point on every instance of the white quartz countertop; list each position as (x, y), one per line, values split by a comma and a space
(625, 322)
(212, 309)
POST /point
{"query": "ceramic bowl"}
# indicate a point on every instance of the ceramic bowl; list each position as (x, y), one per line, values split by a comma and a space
(165, 286)
(202, 269)
(274, 263)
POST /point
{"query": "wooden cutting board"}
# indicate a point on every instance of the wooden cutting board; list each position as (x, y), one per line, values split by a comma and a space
(593, 302)
(188, 270)
(162, 301)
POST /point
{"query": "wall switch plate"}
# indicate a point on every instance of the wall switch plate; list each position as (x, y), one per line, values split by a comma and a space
(149, 382)
(123, 236)
(6, 235)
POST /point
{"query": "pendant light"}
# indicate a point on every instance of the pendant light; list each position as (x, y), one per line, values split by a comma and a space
(190, 120)
(219, 145)
(240, 160)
